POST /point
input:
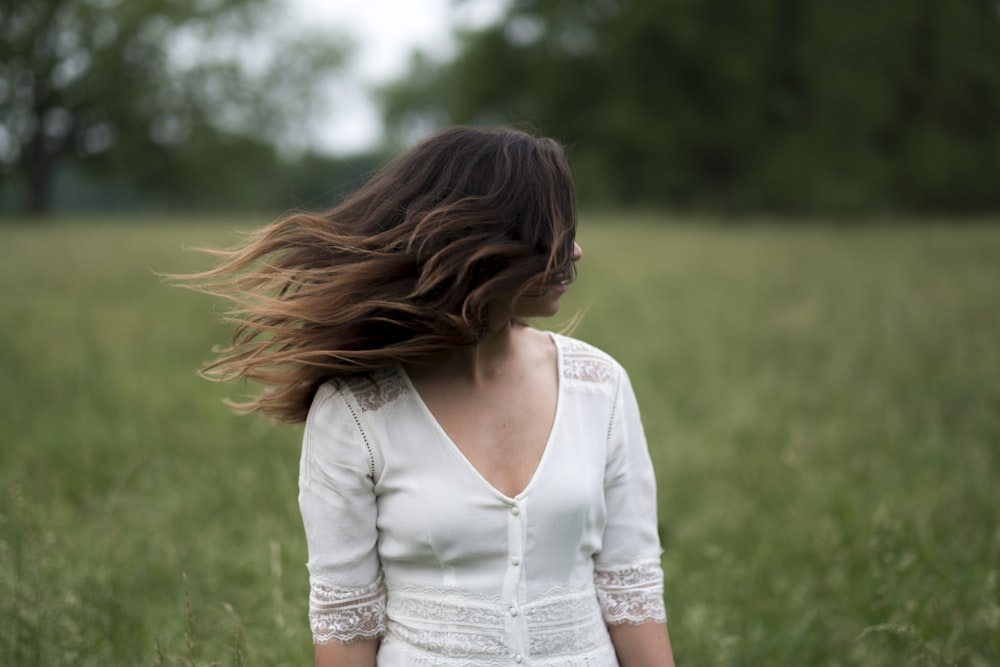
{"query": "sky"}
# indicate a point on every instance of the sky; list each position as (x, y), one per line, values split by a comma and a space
(385, 33)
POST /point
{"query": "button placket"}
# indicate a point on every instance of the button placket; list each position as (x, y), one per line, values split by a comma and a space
(513, 586)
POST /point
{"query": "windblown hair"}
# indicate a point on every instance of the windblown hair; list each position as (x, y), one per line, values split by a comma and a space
(423, 258)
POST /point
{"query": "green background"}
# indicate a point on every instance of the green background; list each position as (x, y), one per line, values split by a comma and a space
(822, 403)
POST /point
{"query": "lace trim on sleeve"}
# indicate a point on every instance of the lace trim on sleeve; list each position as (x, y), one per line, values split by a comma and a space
(338, 613)
(631, 594)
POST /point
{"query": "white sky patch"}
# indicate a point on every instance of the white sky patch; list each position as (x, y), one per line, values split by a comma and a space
(385, 33)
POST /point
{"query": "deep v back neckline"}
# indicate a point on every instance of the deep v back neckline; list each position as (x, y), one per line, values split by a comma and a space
(452, 446)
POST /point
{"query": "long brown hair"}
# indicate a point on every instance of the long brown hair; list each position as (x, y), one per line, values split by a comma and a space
(411, 264)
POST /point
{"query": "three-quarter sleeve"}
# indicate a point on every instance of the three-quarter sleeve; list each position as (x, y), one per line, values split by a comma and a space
(628, 575)
(337, 501)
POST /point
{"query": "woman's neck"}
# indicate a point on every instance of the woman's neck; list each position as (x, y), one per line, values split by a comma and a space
(472, 364)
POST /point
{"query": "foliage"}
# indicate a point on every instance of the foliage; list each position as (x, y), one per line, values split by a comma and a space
(253, 180)
(780, 105)
(174, 94)
(820, 401)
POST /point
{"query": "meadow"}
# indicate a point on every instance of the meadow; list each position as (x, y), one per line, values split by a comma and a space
(822, 404)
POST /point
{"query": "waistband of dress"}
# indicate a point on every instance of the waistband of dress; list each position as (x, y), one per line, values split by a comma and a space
(457, 623)
(568, 602)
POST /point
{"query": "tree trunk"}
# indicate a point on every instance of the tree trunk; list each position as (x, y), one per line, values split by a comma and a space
(40, 173)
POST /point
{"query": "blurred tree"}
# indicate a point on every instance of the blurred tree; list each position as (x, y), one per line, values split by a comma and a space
(740, 105)
(174, 93)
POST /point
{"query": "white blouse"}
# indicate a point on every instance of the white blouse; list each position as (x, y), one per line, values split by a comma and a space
(408, 542)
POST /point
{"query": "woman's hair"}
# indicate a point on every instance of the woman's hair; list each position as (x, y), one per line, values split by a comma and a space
(423, 258)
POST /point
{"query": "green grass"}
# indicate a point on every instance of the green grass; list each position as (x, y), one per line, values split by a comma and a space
(823, 406)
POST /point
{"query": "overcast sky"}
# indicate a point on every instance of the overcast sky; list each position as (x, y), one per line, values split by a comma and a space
(385, 32)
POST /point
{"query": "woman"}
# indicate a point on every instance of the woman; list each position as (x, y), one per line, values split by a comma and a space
(474, 491)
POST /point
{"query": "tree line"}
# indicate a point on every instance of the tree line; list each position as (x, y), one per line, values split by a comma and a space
(160, 103)
(794, 106)
(786, 106)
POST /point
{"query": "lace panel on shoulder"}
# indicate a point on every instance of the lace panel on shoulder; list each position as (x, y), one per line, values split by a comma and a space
(374, 390)
(585, 364)
(338, 613)
(632, 594)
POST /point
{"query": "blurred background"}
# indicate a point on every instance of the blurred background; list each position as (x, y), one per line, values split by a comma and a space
(773, 106)
(789, 215)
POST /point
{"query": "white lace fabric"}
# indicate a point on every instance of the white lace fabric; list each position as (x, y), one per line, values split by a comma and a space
(631, 594)
(345, 615)
(458, 624)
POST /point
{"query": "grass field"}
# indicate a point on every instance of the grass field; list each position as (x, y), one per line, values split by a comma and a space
(823, 406)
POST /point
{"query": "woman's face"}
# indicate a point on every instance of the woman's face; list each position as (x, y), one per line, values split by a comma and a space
(545, 302)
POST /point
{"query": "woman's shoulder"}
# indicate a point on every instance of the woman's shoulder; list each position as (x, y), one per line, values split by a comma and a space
(570, 345)
(365, 392)
(586, 363)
